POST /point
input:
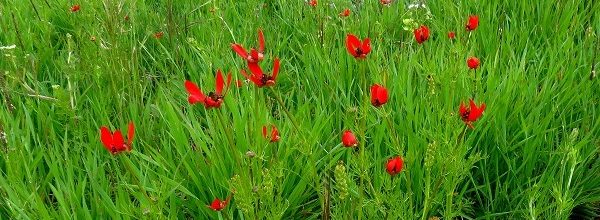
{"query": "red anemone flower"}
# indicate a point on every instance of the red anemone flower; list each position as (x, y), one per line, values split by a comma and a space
(472, 114)
(213, 99)
(75, 8)
(258, 77)
(114, 142)
(357, 48)
(274, 137)
(348, 139)
(345, 13)
(379, 95)
(385, 2)
(255, 55)
(451, 35)
(312, 3)
(473, 23)
(394, 165)
(158, 35)
(473, 62)
(421, 34)
(218, 205)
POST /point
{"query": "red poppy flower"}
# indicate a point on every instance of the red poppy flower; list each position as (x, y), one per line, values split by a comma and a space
(312, 3)
(274, 137)
(473, 23)
(379, 95)
(258, 77)
(472, 114)
(345, 13)
(75, 8)
(114, 142)
(394, 165)
(158, 35)
(385, 2)
(218, 205)
(473, 62)
(255, 55)
(421, 34)
(356, 48)
(348, 139)
(451, 35)
(213, 99)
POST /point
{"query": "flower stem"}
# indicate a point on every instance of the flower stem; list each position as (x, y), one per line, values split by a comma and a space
(229, 133)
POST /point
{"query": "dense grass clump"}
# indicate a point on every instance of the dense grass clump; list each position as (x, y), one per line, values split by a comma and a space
(381, 129)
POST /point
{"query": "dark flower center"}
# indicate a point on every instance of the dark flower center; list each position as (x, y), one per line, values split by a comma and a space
(215, 97)
(465, 114)
(265, 78)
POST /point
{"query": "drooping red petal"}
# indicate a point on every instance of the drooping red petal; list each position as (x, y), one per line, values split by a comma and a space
(462, 109)
(366, 46)
(227, 83)
(261, 41)
(195, 94)
(106, 137)
(219, 82)
(118, 142)
(275, 69)
(252, 78)
(240, 50)
(130, 134)
(255, 56)
(352, 42)
(256, 70)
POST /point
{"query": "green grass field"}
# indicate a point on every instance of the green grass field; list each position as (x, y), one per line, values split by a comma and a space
(533, 154)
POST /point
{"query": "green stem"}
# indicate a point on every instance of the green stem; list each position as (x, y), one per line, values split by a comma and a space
(229, 133)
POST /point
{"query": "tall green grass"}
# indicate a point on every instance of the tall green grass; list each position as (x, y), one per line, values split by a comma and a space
(533, 155)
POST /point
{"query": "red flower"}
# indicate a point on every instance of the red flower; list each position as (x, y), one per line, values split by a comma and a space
(258, 77)
(75, 8)
(473, 62)
(451, 35)
(114, 142)
(218, 205)
(158, 35)
(312, 3)
(345, 13)
(255, 55)
(473, 23)
(385, 2)
(356, 48)
(421, 34)
(394, 165)
(472, 114)
(214, 99)
(274, 137)
(348, 139)
(379, 95)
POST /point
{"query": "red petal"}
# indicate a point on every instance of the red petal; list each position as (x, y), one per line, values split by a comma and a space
(264, 131)
(462, 109)
(352, 42)
(348, 139)
(366, 46)
(261, 41)
(274, 134)
(118, 141)
(255, 80)
(240, 50)
(256, 70)
(106, 137)
(130, 134)
(227, 83)
(219, 83)
(195, 94)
